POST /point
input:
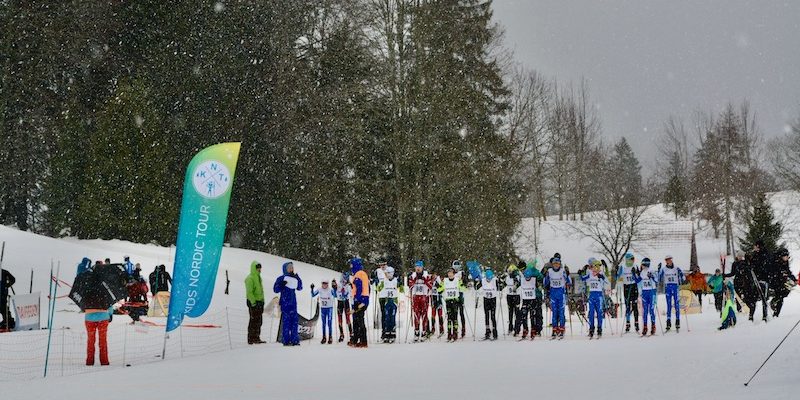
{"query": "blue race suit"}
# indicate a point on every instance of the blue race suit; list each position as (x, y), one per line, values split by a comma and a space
(672, 277)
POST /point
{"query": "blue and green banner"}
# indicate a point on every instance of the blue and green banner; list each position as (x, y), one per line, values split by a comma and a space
(201, 230)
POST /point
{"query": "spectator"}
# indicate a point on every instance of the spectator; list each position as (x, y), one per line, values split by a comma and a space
(360, 303)
(717, 288)
(779, 276)
(96, 319)
(160, 280)
(136, 306)
(107, 262)
(137, 271)
(85, 264)
(128, 266)
(747, 284)
(6, 282)
(254, 289)
(287, 284)
(697, 284)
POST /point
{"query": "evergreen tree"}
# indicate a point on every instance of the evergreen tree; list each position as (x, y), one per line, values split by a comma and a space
(675, 197)
(761, 225)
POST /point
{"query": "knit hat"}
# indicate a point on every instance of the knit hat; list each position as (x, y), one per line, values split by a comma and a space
(645, 262)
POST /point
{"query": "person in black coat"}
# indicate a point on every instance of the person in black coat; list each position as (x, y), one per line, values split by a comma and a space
(744, 284)
(160, 280)
(777, 276)
(6, 281)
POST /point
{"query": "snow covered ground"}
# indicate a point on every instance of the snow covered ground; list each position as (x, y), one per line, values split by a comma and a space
(699, 362)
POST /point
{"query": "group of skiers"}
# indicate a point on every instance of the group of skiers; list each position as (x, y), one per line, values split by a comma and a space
(526, 288)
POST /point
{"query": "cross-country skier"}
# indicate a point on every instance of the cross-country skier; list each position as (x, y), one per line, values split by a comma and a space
(420, 283)
(490, 290)
(647, 282)
(326, 298)
(557, 280)
(343, 292)
(528, 295)
(437, 308)
(630, 291)
(728, 313)
(451, 288)
(390, 289)
(512, 280)
(715, 282)
(596, 283)
(378, 277)
(672, 277)
(460, 275)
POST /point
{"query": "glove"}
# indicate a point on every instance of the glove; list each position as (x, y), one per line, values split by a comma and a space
(249, 305)
(259, 304)
(283, 283)
(312, 286)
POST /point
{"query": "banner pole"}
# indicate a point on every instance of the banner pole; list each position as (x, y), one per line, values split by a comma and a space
(50, 323)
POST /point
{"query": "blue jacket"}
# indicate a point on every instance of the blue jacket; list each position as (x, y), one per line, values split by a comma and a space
(85, 264)
(288, 300)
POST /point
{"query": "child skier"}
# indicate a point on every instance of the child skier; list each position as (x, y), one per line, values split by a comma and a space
(528, 296)
(557, 280)
(420, 283)
(630, 291)
(460, 275)
(728, 312)
(490, 290)
(596, 283)
(343, 292)
(436, 307)
(451, 289)
(715, 282)
(326, 297)
(647, 290)
(672, 277)
(512, 280)
(390, 289)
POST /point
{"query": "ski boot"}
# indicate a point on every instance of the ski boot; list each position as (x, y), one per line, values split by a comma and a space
(554, 335)
(341, 337)
(330, 339)
(534, 333)
(488, 335)
(494, 334)
(416, 336)
(524, 334)
(644, 331)
(628, 327)
(561, 331)
(669, 326)
(636, 326)
(324, 340)
(463, 332)
(677, 325)
(599, 333)
(652, 329)
(591, 333)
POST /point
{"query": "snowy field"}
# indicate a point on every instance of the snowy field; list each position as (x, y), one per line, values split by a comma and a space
(699, 362)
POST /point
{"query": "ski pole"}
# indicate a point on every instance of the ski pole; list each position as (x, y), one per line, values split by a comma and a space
(658, 313)
(502, 321)
(773, 352)
(475, 320)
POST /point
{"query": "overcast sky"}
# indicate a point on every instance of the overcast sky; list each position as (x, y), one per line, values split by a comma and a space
(646, 60)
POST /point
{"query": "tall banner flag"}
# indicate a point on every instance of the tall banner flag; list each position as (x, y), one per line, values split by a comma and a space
(201, 230)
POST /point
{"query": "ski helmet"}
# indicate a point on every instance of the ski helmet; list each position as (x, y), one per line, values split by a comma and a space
(556, 261)
(528, 273)
(419, 264)
(629, 256)
(489, 274)
(645, 262)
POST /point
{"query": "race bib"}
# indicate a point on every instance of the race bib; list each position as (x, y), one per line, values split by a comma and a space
(594, 285)
(529, 294)
(391, 293)
(557, 283)
(451, 293)
(489, 294)
(672, 279)
(419, 288)
(325, 303)
(647, 284)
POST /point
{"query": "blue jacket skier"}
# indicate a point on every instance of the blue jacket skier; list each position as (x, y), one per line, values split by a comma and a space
(557, 280)
(85, 264)
(596, 282)
(286, 285)
(647, 290)
(672, 277)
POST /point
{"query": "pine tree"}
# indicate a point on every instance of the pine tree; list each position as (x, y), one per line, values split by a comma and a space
(761, 225)
(675, 197)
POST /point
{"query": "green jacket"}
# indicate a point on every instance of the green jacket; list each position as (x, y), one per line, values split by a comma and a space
(715, 282)
(253, 286)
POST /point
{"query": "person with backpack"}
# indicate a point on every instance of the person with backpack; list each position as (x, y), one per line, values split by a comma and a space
(160, 280)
